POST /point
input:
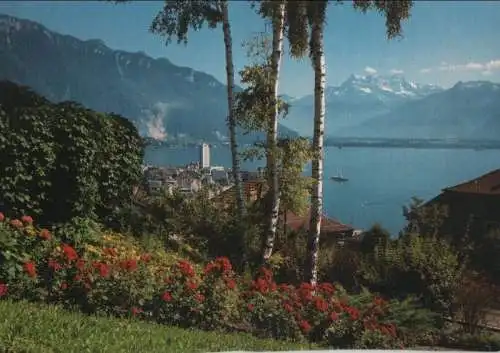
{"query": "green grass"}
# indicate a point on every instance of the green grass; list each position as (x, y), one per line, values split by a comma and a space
(29, 328)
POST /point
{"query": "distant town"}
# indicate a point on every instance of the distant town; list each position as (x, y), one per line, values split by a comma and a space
(190, 178)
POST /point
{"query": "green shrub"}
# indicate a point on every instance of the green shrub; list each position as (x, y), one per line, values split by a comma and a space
(414, 265)
(61, 161)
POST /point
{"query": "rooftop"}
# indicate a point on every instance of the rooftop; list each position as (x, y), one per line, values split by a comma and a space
(328, 225)
(487, 184)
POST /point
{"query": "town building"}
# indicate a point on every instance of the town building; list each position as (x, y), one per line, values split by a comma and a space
(205, 155)
(472, 207)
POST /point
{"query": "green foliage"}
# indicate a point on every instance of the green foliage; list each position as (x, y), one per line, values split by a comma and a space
(30, 328)
(426, 267)
(424, 219)
(61, 161)
(27, 150)
(176, 17)
(376, 236)
(115, 276)
(394, 13)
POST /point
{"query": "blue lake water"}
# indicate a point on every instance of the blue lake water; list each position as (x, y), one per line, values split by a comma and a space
(381, 180)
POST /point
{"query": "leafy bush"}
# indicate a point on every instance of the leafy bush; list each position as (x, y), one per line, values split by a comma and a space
(425, 267)
(115, 276)
(61, 161)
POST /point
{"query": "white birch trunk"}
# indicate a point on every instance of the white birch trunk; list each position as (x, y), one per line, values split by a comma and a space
(272, 135)
(240, 203)
(318, 62)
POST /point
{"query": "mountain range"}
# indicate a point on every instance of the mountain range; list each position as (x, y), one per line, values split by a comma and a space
(165, 101)
(391, 107)
(170, 102)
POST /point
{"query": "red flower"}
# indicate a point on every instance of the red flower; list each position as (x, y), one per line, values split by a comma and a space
(64, 286)
(16, 223)
(353, 313)
(45, 234)
(27, 219)
(320, 304)
(200, 298)
(3, 287)
(334, 316)
(250, 307)
(71, 254)
(54, 265)
(136, 311)
(260, 285)
(167, 297)
(327, 288)
(129, 265)
(192, 285)
(288, 308)
(231, 283)
(102, 268)
(305, 326)
(186, 268)
(30, 269)
(2, 217)
(77, 278)
(224, 264)
(221, 264)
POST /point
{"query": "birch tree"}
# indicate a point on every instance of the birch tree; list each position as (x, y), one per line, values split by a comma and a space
(275, 11)
(175, 20)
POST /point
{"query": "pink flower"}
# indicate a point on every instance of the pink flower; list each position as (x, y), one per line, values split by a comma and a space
(2, 217)
(3, 288)
(27, 219)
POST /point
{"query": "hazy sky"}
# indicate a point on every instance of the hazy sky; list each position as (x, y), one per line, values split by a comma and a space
(444, 41)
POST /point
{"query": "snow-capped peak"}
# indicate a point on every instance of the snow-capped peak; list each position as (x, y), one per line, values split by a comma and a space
(383, 87)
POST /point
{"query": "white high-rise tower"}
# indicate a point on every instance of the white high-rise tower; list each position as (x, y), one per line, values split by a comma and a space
(205, 155)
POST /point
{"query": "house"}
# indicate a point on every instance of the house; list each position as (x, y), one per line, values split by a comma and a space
(154, 186)
(473, 207)
(332, 230)
(220, 177)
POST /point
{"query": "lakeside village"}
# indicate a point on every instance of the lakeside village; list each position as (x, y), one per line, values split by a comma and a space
(189, 179)
(479, 197)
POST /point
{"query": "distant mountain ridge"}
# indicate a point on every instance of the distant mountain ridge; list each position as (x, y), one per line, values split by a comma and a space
(392, 107)
(164, 100)
(356, 100)
(468, 110)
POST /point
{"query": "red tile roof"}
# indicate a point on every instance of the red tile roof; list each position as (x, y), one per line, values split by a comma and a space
(487, 184)
(328, 225)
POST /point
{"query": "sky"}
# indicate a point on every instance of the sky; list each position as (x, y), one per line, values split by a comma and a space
(444, 41)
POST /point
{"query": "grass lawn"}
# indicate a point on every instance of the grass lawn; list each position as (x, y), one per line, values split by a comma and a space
(27, 328)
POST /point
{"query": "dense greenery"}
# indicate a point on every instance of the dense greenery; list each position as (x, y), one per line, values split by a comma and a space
(61, 161)
(114, 275)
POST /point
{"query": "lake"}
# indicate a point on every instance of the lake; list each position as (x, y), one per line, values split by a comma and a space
(381, 180)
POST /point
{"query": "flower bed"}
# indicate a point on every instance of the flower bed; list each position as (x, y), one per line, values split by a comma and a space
(125, 281)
